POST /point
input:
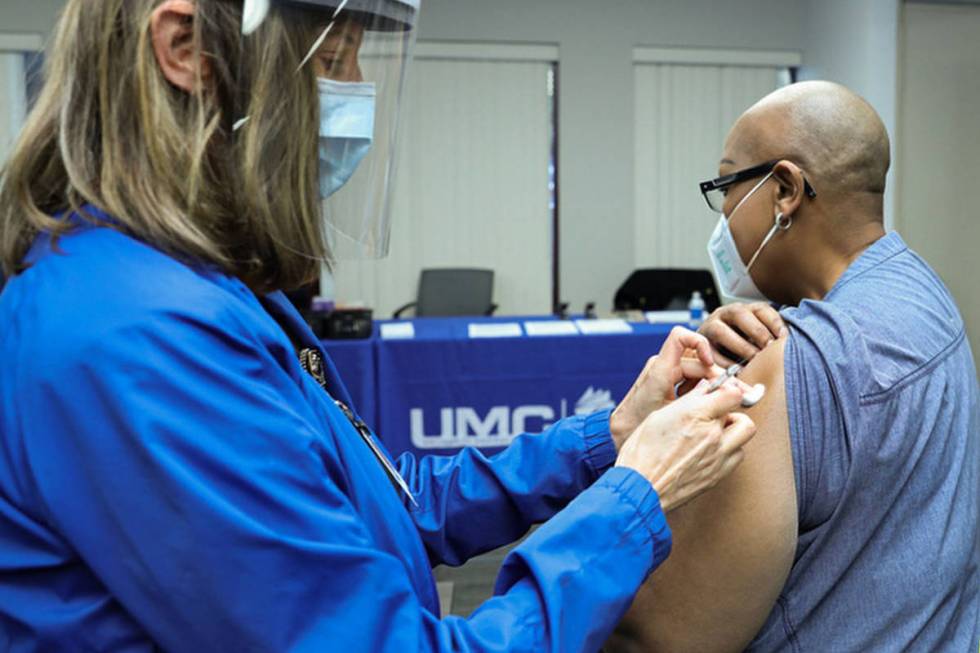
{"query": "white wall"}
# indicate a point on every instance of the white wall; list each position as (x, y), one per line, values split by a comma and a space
(938, 166)
(13, 105)
(683, 113)
(21, 23)
(595, 95)
(923, 83)
(472, 188)
(596, 100)
(29, 15)
(855, 43)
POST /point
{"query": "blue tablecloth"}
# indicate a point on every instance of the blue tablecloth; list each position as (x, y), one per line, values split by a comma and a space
(443, 390)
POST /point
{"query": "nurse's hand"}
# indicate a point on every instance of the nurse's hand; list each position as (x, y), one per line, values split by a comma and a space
(688, 446)
(686, 357)
(742, 331)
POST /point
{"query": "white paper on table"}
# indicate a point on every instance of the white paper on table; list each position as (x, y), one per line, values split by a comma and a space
(496, 330)
(668, 317)
(398, 331)
(551, 328)
(601, 327)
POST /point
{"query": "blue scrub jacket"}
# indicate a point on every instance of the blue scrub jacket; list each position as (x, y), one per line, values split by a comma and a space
(170, 477)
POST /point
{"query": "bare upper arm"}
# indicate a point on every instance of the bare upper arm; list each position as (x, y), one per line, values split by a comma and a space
(733, 546)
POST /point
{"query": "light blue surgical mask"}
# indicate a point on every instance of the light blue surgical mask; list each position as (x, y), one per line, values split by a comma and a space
(346, 130)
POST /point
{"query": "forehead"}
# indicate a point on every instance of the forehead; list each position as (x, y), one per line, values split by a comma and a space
(345, 22)
(746, 142)
(343, 29)
(734, 152)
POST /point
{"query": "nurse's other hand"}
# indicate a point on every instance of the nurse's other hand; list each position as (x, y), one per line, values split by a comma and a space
(655, 387)
(743, 330)
(688, 446)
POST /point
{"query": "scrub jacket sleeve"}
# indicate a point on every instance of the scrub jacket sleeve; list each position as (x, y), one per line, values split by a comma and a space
(183, 466)
(527, 483)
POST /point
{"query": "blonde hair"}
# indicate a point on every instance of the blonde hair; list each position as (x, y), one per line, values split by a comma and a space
(110, 131)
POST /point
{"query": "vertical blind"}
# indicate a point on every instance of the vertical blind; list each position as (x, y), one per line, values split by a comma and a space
(472, 187)
(683, 115)
(13, 99)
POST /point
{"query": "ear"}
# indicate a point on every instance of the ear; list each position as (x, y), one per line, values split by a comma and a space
(790, 187)
(172, 35)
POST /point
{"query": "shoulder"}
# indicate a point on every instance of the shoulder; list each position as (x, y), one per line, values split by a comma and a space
(102, 264)
(834, 344)
(733, 546)
(822, 323)
(112, 349)
(887, 318)
(102, 293)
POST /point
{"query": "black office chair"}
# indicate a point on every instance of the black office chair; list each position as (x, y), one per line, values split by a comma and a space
(665, 289)
(453, 292)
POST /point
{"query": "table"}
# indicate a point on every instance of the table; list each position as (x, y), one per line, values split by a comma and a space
(443, 390)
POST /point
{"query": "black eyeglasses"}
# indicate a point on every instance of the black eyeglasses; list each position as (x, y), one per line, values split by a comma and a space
(715, 190)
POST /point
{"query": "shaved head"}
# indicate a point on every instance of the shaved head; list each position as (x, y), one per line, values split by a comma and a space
(832, 133)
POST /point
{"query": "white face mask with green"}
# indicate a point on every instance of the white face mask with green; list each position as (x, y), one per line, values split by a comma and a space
(731, 272)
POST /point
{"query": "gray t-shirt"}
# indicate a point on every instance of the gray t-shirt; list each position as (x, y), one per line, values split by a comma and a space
(884, 419)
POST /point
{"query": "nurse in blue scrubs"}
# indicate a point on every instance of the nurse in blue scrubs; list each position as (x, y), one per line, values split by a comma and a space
(181, 467)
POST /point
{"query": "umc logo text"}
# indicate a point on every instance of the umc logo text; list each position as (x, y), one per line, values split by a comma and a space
(464, 426)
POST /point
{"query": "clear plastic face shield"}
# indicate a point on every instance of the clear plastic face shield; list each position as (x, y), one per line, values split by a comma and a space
(360, 55)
